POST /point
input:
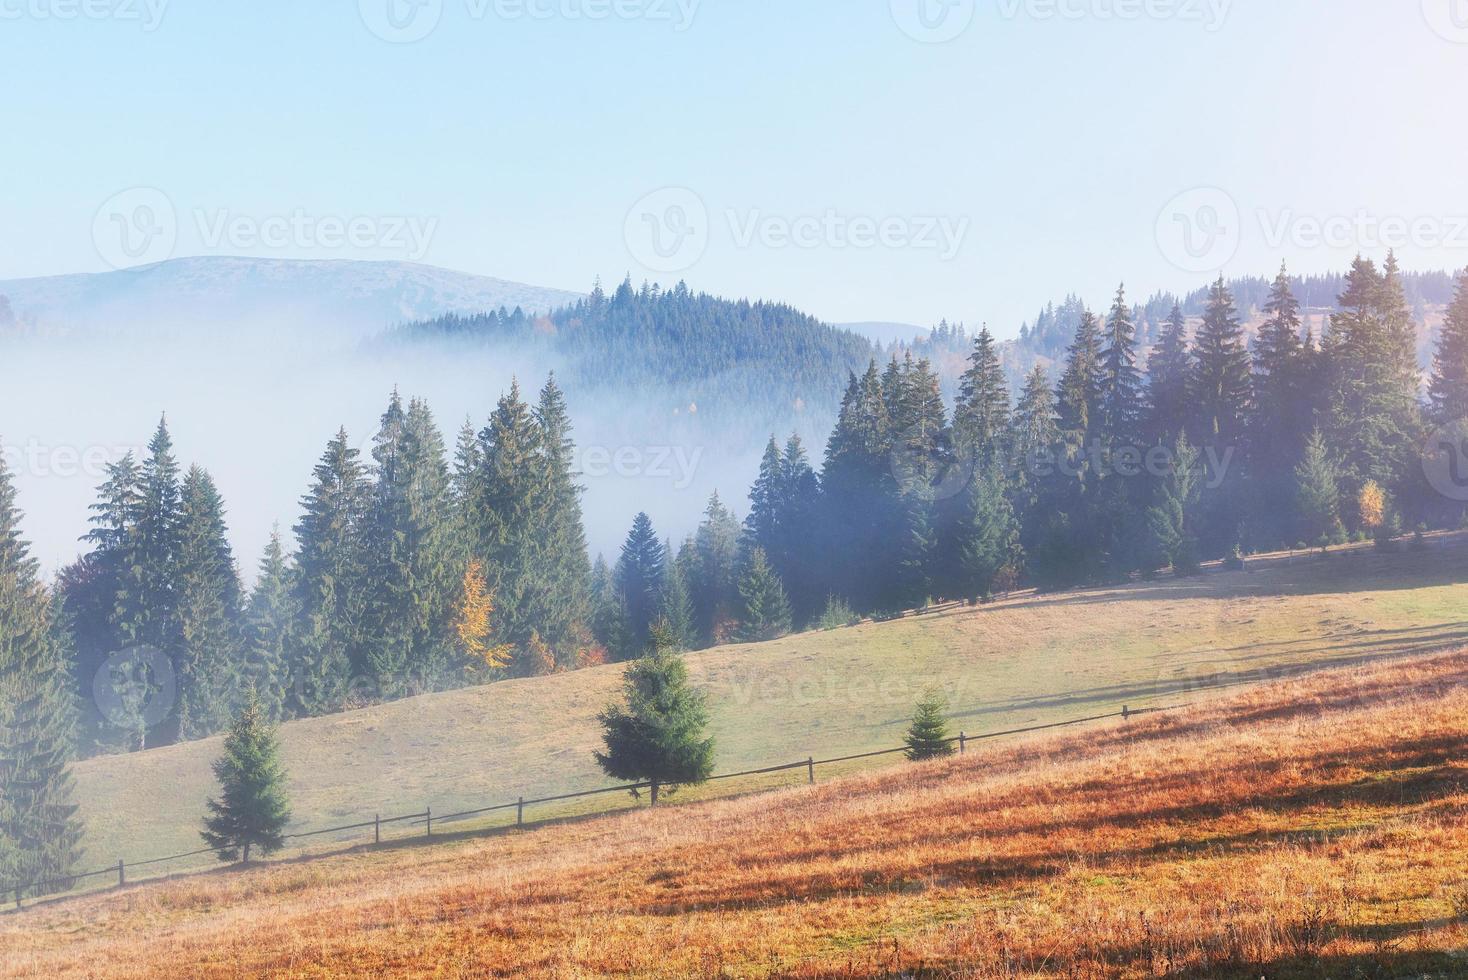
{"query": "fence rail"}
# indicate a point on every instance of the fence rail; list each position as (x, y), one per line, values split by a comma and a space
(60, 885)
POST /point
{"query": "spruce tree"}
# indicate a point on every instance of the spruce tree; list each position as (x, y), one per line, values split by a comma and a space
(412, 574)
(1221, 392)
(1318, 493)
(797, 559)
(1221, 387)
(656, 734)
(252, 810)
(209, 612)
(330, 560)
(1449, 389)
(639, 579)
(981, 418)
(1119, 396)
(927, 737)
(1170, 540)
(762, 526)
(1284, 404)
(40, 837)
(675, 606)
(764, 609)
(270, 619)
(714, 585)
(989, 538)
(1169, 372)
(564, 606)
(513, 508)
(1079, 392)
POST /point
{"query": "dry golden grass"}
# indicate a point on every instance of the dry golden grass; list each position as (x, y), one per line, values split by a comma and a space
(1313, 828)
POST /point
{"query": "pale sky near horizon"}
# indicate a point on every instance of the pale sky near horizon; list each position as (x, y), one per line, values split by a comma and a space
(822, 152)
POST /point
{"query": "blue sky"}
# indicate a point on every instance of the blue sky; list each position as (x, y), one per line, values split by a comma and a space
(818, 152)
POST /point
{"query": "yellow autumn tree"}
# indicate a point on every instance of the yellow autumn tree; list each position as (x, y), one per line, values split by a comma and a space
(473, 621)
(1372, 505)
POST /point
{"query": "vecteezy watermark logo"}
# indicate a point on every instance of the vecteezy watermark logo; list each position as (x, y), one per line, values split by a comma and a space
(1363, 230)
(141, 226)
(137, 226)
(401, 21)
(831, 229)
(135, 689)
(1445, 461)
(1200, 230)
(148, 14)
(1210, 13)
(1448, 18)
(668, 230)
(43, 460)
(406, 21)
(933, 21)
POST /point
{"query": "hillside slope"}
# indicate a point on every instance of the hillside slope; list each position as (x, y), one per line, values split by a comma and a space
(1030, 660)
(1307, 829)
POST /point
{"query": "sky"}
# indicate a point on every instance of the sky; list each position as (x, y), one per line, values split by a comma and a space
(904, 160)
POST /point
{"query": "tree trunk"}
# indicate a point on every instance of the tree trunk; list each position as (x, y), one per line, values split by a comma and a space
(247, 853)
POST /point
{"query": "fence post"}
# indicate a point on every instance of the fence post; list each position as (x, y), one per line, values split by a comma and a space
(810, 765)
(429, 814)
(962, 743)
(377, 828)
(121, 873)
(520, 813)
(1126, 712)
(17, 896)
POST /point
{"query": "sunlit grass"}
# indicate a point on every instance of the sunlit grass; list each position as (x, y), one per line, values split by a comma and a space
(1311, 828)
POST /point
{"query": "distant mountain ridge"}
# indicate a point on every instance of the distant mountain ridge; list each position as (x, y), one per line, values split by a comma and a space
(355, 298)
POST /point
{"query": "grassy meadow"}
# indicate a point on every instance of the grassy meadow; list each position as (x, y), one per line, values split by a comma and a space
(1028, 660)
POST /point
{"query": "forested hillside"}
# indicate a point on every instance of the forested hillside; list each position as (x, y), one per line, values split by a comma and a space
(734, 364)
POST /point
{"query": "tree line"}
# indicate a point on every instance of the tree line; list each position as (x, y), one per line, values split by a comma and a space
(1219, 445)
(410, 572)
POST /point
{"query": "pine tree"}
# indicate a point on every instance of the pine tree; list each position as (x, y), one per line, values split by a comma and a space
(147, 612)
(1449, 389)
(1120, 389)
(270, 620)
(656, 735)
(764, 610)
(927, 736)
(330, 560)
(252, 810)
(639, 578)
(209, 612)
(40, 837)
(1284, 403)
(1169, 372)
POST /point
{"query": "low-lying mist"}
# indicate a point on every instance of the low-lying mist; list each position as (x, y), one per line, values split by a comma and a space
(256, 410)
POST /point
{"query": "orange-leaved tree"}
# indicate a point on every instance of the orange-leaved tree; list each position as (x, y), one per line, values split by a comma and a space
(474, 621)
